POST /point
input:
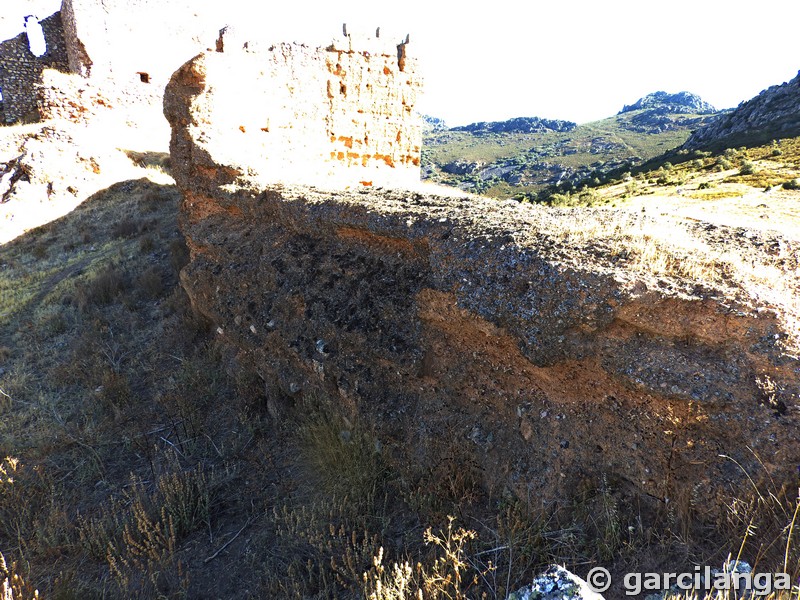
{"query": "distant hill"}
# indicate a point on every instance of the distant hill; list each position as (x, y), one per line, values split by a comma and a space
(518, 125)
(524, 155)
(660, 111)
(773, 114)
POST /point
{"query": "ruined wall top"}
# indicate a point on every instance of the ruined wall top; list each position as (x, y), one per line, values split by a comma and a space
(134, 40)
(335, 116)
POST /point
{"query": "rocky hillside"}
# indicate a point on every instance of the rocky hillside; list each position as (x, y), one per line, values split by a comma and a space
(433, 124)
(520, 157)
(660, 111)
(773, 114)
(518, 125)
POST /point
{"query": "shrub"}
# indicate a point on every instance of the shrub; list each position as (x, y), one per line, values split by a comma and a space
(127, 228)
(147, 244)
(153, 199)
(345, 459)
(747, 168)
(792, 184)
(40, 251)
(448, 576)
(102, 289)
(150, 283)
(723, 164)
(12, 585)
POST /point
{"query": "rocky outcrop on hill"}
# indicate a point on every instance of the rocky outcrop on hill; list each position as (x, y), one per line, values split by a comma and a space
(659, 112)
(680, 103)
(773, 114)
(493, 338)
(433, 124)
(518, 125)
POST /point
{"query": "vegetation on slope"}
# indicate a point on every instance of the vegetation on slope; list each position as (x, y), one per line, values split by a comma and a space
(685, 175)
(508, 162)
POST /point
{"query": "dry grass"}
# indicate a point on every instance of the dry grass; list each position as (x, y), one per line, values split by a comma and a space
(12, 583)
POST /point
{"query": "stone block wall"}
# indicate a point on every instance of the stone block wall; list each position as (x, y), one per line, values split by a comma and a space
(336, 116)
(21, 71)
(70, 97)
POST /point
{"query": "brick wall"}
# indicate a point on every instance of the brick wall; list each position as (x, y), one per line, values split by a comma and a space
(20, 70)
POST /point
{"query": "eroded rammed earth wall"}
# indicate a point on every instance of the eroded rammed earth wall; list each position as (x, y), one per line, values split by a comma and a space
(476, 341)
(332, 116)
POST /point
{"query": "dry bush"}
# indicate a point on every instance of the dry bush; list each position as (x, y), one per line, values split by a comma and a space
(344, 458)
(101, 289)
(40, 251)
(320, 549)
(186, 398)
(151, 200)
(32, 518)
(449, 576)
(143, 533)
(13, 585)
(150, 283)
(126, 228)
(147, 244)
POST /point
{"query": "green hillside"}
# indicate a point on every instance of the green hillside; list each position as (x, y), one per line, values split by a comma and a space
(508, 164)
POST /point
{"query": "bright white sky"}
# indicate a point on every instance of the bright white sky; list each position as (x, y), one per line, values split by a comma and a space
(579, 60)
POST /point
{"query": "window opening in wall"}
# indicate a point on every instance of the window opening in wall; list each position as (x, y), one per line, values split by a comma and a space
(143, 77)
(35, 33)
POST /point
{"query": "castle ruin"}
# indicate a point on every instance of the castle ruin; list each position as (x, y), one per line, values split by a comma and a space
(21, 70)
(121, 50)
(338, 116)
(343, 114)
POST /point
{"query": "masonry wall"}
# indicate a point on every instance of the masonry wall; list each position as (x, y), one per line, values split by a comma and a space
(336, 116)
(21, 71)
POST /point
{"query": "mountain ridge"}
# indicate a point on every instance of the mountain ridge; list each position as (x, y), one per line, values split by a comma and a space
(772, 114)
(527, 154)
(518, 125)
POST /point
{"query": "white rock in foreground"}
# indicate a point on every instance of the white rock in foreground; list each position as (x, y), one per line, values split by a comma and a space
(556, 583)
